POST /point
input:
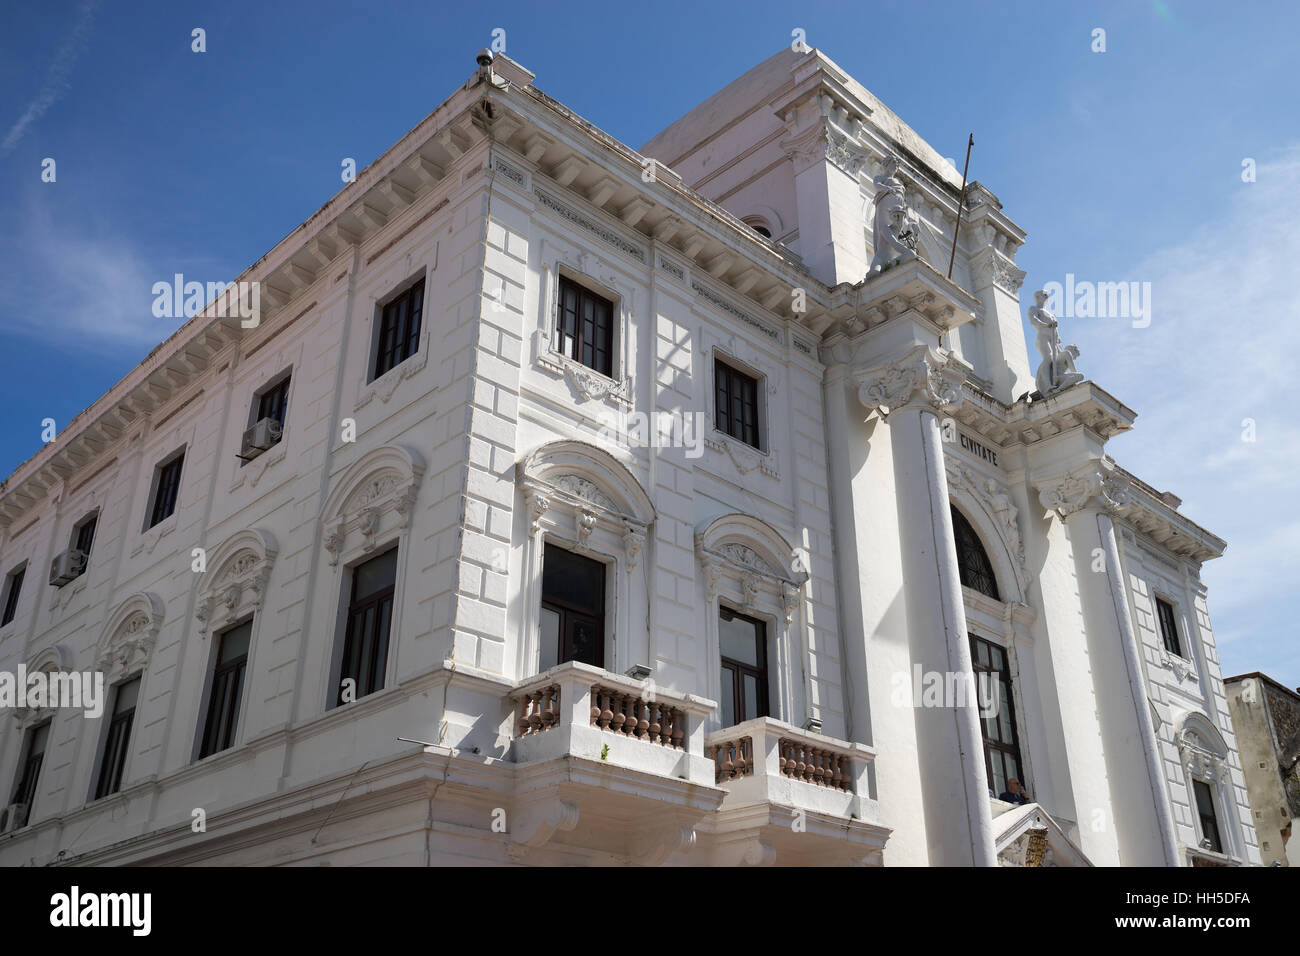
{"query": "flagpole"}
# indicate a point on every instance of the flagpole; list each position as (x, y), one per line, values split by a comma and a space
(960, 203)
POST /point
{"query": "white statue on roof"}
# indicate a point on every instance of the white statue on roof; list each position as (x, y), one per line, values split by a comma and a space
(895, 225)
(1056, 371)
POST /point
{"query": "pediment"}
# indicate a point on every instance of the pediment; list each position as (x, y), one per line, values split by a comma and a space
(1028, 836)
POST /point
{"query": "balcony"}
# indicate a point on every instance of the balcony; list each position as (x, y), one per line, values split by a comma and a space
(793, 797)
(622, 757)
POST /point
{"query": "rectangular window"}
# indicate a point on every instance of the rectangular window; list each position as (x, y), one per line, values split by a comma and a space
(29, 771)
(274, 402)
(168, 483)
(573, 609)
(227, 690)
(118, 739)
(1001, 744)
(1205, 810)
(1168, 627)
(585, 327)
(743, 641)
(13, 587)
(737, 403)
(84, 536)
(370, 613)
(399, 329)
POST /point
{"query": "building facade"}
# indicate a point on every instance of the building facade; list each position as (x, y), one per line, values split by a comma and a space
(1266, 718)
(564, 503)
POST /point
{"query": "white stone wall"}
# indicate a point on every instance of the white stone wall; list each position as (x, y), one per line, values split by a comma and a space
(1192, 684)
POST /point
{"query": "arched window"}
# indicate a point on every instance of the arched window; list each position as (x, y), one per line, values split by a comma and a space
(759, 225)
(973, 564)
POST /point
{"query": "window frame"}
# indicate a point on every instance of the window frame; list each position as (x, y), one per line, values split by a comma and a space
(109, 782)
(1161, 605)
(1014, 748)
(567, 610)
(1215, 816)
(240, 681)
(739, 371)
(964, 535)
(412, 338)
(281, 382)
(26, 780)
(740, 669)
(156, 488)
(585, 292)
(14, 581)
(350, 608)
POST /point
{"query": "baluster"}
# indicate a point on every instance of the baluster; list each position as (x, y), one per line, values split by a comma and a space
(666, 733)
(801, 761)
(551, 714)
(656, 715)
(837, 776)
(523, 717)
(534, 711)
(643, 724)
(617, 704)
(606, 714)
(728, 764)
(819, 767)
(679, 728)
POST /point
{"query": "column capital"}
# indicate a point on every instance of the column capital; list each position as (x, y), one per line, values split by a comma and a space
(1095, 486)
(926, 376)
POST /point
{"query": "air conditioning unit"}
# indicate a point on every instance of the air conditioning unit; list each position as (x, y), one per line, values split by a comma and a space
(67, 567)
(13, 817)
(262, 436)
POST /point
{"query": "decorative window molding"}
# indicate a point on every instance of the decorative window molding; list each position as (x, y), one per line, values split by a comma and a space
(53, 658)
(737, 352)
(587, 269)
(235, 584)
(374, 497)
(994, 514)
(129, 637)
(386, 385)
(582, 498)
(748, 565)
(1204, 755)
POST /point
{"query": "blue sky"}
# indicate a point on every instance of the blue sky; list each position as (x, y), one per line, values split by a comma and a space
(1122, 165)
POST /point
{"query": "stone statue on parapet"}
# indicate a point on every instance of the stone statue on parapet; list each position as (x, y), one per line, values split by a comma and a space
(895, 225)
(1056, 371)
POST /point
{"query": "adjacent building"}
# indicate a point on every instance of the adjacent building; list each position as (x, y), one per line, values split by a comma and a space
(1266, 719)
(567, 503)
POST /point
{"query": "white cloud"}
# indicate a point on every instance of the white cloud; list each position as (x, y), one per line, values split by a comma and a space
(75, 286)
(56, 77)
(1218, 351)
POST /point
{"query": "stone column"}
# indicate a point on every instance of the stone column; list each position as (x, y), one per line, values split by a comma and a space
(911, 394)
(1085, 500)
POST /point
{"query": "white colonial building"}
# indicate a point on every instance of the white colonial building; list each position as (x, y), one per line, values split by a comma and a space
(564, 505)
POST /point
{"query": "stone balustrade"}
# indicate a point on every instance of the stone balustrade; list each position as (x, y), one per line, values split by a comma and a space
(732, 759)
(580, 711)
(629, 714)
(769, 761)
(801, 760)
(539, 710)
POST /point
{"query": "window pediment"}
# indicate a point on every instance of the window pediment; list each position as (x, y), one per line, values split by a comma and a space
(376, 494)
(236, 585)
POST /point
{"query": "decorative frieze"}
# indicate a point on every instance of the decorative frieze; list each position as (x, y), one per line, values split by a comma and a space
(926, 376)
(704, 292)
(595, 228)
(1095, 484)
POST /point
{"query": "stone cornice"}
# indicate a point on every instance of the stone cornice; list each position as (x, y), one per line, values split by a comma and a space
(1022, 423)
(1152, 517)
